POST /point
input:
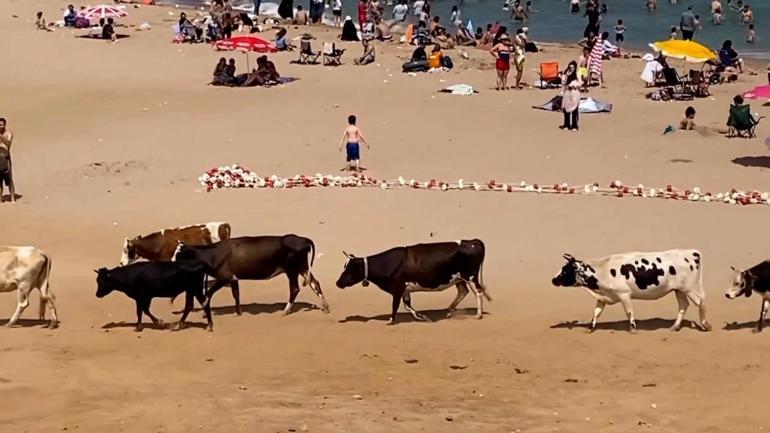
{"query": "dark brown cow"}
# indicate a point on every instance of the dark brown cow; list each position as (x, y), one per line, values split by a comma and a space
(160, 246)
(257, 258)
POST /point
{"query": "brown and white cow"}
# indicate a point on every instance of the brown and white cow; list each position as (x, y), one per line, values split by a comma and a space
(160, 246)
(25, 269)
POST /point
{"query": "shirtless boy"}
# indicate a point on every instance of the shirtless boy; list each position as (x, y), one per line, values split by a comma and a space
(351, 139)
(6, 170)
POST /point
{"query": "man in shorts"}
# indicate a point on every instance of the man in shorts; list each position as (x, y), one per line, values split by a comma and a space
(351, 139)
(6, 170)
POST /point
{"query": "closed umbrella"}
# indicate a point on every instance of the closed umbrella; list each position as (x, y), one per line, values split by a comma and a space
(690, 51)
(102, 11)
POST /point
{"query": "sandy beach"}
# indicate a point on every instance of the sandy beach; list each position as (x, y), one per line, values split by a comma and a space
(111, 138)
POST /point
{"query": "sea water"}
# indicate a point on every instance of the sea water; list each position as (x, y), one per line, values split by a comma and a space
(553, 21)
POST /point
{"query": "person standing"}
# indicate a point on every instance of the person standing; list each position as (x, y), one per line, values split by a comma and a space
(620, 31)
(257, 4)
(519, 48)
(363, 5)
(6, 168)
(400, 11)
(351, 138)
(337, 12)
(688, 24)
(502, 54)
(594, 18)
(570, 101)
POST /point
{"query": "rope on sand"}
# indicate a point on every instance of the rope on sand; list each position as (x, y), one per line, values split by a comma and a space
(236, 176)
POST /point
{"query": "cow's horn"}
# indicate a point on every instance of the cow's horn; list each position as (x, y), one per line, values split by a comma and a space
(97, 271)
(568, 257)
(733, 268)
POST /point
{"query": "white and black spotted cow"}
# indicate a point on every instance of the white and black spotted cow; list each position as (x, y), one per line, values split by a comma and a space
(623, 277)
(431, 267)
(756, 279)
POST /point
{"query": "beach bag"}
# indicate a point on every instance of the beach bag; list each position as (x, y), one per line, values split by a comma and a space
(82, 23)
(5, 161)
(446, 62)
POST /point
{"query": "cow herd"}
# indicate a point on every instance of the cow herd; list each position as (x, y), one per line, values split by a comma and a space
(183, 260)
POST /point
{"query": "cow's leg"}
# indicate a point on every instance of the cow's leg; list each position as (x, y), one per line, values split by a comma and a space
(462, 292)
(626, 301)
(21, 305)
(315, 286)
(394, 306)
(762, 314)
(218, 284)
(188, 305)
(699, 300)
(479, 302)
(50, 299)
(139, 309)
(407, 298)
(681, 299)
(146, 309)
(235, 287)
(293, 292)
(597, 312)
(207, 311)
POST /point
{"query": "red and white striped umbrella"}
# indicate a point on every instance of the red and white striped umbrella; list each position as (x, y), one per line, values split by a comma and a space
(102, 11)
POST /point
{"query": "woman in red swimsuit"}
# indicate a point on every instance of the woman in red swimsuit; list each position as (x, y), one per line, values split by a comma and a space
(362, 6)
(502, 53)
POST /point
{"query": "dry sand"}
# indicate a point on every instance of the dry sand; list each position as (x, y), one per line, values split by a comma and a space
(73, 103)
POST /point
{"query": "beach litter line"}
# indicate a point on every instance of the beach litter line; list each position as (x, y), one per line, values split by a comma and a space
(235, 176)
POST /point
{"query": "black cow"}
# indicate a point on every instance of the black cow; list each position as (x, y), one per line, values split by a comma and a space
(146, 280)
(756, 279)
(421, 268)
(257, 258)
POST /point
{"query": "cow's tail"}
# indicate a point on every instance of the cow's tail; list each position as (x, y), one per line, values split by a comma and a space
(310, 260)
(480, 282)
(44, 284)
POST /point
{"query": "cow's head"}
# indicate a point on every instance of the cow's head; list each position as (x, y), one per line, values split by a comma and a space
(574, 273)
(130, 254)
(741, 283)
(356, 271)
(104, 284)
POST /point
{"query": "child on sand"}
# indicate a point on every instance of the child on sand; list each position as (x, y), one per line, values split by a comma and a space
(688, 123)
(351, 139)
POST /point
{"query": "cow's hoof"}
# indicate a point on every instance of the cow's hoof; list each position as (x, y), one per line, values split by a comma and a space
(177, 326)
(391, 322)
(591, 329)
(238, 312)
(479, 316)
(325, 308)
(706, 327)
(756, 330)
(53, 325)
(675, 328)
(210, 328)
(449, 314)
(632, 329)
(138, 329)
(9, 325)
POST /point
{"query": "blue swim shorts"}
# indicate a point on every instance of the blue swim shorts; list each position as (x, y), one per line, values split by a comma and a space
(353, 152)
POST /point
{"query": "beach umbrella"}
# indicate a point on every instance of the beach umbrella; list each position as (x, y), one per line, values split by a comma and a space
(246, 44)
(690, 51)
(759, 92)
(102, 11)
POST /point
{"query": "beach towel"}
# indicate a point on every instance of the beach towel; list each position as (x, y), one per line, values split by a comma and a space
(459, 89)
(587, 105)
(596, 58)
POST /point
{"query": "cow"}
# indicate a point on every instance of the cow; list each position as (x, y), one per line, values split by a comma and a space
(25, 269)
(432, 267)
(638, 275)
(147, 280)
(756, 279)
(160, 245)
(257, 258)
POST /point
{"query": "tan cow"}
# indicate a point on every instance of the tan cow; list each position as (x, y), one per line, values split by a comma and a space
(160, 245)
(25, 269)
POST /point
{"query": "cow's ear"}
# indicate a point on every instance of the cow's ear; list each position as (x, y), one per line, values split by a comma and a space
(346, 254)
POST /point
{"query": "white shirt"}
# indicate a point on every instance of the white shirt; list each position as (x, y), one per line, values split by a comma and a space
(418, 7)
(337, 5)
(400, 11)
(456, 18)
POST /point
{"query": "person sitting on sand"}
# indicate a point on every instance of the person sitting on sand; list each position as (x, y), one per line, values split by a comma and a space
(688, 122)
(382, 32)
(301, 17)
(189, 31)
(419, 54)
(464, 37)
(609, 49)
(368, 55)
(728, 57)
(108, 32)
(219, 77)
(70, 16)
(230, 71)
(434, 28)
(40, 23)
(349, 32)
(282, 41)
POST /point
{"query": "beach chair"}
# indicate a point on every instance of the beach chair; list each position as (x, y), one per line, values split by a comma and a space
(549, 73)
(741, 123)
(332, 55)
(699, 84)
(306, 54)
